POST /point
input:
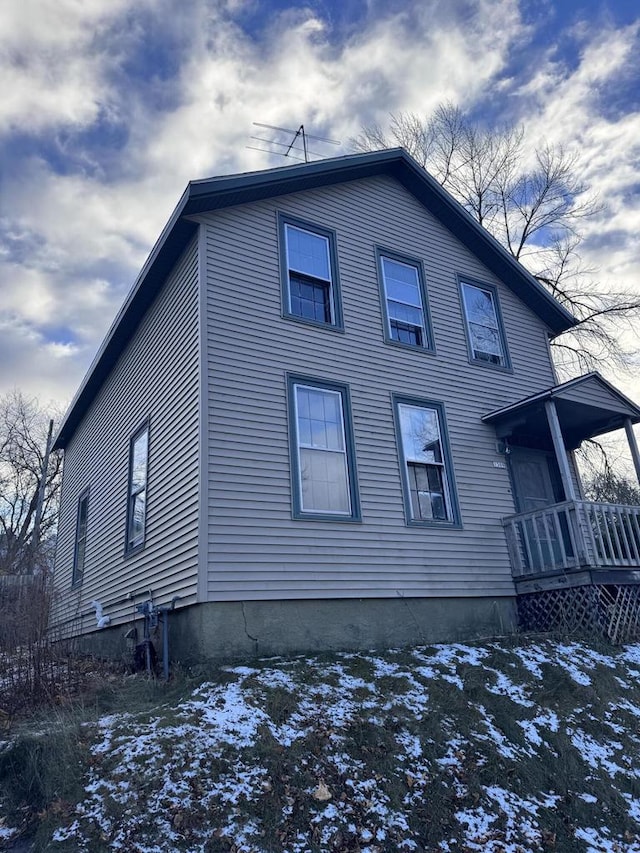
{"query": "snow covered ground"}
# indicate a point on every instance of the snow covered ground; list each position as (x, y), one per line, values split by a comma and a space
(505, 747)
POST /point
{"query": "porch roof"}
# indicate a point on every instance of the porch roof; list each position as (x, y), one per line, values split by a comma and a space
(587, 406)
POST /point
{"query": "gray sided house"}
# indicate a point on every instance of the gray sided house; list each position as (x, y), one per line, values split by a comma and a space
(326, 417)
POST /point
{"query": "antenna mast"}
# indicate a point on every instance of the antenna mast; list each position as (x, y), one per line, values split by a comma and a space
(299, 135)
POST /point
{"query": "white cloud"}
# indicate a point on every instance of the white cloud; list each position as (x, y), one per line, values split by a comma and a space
(52, 69)
(31, 365)
(76, 237)
(573, 106)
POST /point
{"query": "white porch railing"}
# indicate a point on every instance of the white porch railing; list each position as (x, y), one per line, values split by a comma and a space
(571, 535)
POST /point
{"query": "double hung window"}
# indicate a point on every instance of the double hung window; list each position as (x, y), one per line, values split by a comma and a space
(426, 466)
(137, 490)
(324, 478)
(485, 334)
(404, 301)
(310, 288)
(80, 546)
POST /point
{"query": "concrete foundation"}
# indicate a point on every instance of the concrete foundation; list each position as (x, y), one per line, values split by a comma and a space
(219, 631)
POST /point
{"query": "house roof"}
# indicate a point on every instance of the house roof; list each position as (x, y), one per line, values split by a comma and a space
(587, 406)
(216, 193)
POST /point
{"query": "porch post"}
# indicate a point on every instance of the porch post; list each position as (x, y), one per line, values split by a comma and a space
(560, 449)
(633, 446)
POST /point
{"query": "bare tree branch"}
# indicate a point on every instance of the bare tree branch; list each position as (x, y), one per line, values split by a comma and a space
(23, 431)
(534, 209)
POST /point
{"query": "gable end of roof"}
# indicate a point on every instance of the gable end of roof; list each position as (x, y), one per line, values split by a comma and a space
(216, 193)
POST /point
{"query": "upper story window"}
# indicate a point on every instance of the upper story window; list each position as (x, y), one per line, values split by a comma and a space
(485, 332)
(404, 301)
(429, 491)
(322, 456)
(80, 546)
(310, 287)
(137, 490)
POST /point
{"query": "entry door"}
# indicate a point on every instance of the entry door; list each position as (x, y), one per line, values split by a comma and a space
(534, 491)
(531, 479)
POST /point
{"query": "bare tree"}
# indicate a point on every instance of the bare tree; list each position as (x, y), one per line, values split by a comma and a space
(534, 203)
(23, 438)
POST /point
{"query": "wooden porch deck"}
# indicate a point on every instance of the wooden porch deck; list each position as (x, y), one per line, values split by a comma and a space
(573, 543)
(576, 568)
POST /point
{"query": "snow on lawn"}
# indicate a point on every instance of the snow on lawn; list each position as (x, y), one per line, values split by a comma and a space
(500, 747)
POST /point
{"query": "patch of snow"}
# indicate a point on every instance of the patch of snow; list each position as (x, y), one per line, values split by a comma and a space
(631, 653)
(240, 670)
(600, 840)
(531, 658)
(543, 720)
(503, 747)
(455, 748)
(531, 732)
(6, 832)
(226, 711)
(505, 687)
(277, 678)
(597, 754)
(410, 744)
(626, 705)
(385, 667)
(567, 655)
(588, 798)
(634, 807)
(478, 824)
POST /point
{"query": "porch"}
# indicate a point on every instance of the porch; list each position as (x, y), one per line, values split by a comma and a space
(575, 563)
(594, 542)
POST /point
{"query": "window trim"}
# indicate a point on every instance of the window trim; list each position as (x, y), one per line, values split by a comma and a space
(133, 547)
(297, 512)
(407, 260)
(285, 219)
(493, 290)
(455, 522)
(77, 573)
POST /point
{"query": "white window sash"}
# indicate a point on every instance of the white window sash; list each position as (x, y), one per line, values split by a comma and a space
(308, 446)
(493, 326)
(388, 299)
(409, 457)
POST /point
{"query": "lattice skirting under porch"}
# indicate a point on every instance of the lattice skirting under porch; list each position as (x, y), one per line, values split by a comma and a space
(611, 611)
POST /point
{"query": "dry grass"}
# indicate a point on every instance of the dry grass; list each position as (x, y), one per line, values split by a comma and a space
(516, 746)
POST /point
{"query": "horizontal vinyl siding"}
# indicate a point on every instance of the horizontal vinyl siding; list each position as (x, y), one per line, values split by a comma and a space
(594, 394)
(156, 377)
(256, 550)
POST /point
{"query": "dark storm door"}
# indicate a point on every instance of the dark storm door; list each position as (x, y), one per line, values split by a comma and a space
(533, 483)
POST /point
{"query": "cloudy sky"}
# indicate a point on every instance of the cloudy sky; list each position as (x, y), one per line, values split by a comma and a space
(109, 107)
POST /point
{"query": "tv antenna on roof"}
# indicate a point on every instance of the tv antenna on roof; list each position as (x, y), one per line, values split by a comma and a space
(299, 135)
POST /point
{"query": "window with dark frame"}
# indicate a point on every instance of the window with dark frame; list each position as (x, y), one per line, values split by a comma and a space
(310, 289)
(137, 493)
(405, 312)
(321, 452)
(484, 330)
(80, 546)
(429, 493)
